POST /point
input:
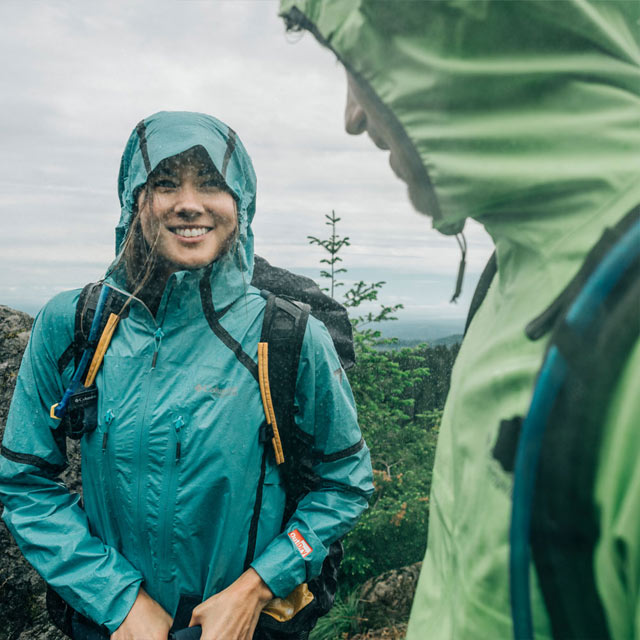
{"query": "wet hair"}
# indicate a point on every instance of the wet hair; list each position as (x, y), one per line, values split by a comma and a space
(140, 258)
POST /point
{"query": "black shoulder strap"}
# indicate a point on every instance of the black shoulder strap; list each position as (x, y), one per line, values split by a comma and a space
(486, 278)
(283, 328)
(75, 347)
(565, 523)
(85, 310)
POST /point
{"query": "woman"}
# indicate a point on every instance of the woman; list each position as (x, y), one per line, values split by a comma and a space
(172, 473)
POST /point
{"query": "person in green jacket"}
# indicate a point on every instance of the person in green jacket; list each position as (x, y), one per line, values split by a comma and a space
(182, 499)
(524, 116)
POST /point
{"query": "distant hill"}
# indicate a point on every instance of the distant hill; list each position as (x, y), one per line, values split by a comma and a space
(454, 338)
(413, 332)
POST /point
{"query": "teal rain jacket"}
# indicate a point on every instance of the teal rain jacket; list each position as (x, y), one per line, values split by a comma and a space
(526, 117)
(177, 523)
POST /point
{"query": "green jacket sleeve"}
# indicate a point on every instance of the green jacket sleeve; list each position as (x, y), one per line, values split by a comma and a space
(327, 411)
(46, 520)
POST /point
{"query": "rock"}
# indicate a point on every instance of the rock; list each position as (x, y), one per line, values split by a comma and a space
(23, 614)
(386, 600)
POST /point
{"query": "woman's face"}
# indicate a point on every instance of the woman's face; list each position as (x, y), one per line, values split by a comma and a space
(188, 215)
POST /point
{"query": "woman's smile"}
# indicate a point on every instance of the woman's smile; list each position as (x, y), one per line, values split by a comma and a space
(190, 234)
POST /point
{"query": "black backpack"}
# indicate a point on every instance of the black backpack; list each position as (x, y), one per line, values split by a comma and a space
(552, 452)
(290, 300)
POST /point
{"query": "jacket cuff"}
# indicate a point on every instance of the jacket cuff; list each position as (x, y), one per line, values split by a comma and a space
(292, 558)
(122, 605)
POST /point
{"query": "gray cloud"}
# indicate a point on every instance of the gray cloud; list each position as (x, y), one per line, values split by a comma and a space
(77, 78)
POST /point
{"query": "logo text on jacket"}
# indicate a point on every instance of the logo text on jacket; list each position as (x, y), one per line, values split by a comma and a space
(301, 544)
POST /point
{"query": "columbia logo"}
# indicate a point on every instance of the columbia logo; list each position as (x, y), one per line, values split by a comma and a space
(301, 544)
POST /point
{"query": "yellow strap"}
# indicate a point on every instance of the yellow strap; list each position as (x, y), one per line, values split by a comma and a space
(267, 403)
(101, 349)
(283, 609)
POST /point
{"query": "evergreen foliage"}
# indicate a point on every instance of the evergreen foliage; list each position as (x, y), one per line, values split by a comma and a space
(400, 395)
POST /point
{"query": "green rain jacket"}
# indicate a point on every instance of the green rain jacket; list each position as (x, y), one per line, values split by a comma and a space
(526, 117)
(177, 524)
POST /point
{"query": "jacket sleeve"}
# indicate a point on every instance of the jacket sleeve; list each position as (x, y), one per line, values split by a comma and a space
(46, 520)
(326, 409)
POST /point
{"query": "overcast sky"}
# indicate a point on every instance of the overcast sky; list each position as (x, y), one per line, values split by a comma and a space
(77, 76)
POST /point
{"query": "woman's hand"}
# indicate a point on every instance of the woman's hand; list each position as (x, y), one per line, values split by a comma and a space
(233, 613)
(146, 620)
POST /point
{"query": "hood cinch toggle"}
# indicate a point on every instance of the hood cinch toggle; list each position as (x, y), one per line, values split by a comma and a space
(462, 243)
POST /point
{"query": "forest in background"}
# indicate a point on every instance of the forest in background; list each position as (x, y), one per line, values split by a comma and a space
(400, 395)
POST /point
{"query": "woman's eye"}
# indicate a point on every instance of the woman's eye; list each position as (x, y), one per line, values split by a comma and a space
(212, 184)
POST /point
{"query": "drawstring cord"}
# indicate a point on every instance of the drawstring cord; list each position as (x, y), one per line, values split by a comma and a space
(462, 243)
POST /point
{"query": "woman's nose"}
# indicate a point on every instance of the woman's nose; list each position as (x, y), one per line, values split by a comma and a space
(189, 200)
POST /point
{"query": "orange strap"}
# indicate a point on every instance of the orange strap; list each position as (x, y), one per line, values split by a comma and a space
(267, 403)
(101, 349)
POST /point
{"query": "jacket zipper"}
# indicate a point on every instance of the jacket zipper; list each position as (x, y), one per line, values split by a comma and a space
(141, 451)
(170, 503)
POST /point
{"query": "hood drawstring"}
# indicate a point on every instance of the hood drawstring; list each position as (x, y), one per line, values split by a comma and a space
(462, 243)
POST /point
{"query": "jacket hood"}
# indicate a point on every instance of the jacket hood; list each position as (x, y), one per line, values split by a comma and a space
(166, 134)
(515, 109)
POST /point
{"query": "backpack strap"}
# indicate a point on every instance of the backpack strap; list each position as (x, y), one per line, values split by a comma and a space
(80, 397)
(283, 330)
(283, 327)
(594, 325)
(85, 310)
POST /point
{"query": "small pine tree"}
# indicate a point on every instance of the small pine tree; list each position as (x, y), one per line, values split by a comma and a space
(392, 532)
(359, 292)
(332, 245)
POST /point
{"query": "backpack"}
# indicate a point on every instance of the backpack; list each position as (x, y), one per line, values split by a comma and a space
(290, 299)
(552, 452)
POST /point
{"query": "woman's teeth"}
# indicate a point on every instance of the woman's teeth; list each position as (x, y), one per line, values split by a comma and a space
(190, 233)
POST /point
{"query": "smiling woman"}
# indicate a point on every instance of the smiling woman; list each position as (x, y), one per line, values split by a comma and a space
(184, 500)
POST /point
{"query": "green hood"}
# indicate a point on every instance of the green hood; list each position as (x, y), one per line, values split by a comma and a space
(517, 110)
(169, 133)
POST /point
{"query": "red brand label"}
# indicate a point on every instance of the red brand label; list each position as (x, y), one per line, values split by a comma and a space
(301, 544)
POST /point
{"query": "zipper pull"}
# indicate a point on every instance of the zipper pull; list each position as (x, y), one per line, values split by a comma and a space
(108, 419)
(178, 423)
(157, 338)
